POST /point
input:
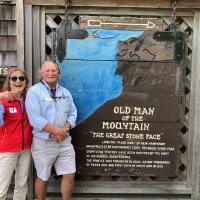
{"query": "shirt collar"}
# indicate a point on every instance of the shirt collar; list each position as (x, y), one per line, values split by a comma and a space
(46, 84)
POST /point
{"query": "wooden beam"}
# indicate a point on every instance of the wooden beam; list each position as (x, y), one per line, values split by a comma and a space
(36, 42)
(193, 147)
(28, 42)
(120, 11)
(20, 32)
(123, 187)
(43, 34)
(192, 4)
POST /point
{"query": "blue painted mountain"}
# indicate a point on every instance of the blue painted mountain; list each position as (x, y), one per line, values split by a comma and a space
(88, 70)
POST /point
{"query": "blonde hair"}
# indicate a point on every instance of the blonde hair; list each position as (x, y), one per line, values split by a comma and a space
(10, 72)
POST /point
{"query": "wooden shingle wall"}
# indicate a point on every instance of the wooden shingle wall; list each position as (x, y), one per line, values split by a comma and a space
(39, 19)
(11, 34)
(8, 38)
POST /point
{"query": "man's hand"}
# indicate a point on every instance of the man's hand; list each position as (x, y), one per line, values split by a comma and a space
(66, 126)
(60, 138)
(56, 132)
(61, 132)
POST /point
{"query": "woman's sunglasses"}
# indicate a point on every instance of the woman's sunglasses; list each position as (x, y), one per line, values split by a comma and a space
(20, 78)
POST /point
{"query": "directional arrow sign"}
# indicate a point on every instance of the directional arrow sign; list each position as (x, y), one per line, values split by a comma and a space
(125, 23)
(99, 23)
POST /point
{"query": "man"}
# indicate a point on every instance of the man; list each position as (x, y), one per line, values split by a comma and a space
(52, 113)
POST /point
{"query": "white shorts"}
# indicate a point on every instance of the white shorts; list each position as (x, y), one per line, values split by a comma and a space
(47, 153)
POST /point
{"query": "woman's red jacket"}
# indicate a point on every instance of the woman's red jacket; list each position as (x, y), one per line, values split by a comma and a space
(16, 132)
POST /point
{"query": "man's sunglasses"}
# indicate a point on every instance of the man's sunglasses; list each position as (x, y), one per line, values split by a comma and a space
(20, 78)
(57, 97)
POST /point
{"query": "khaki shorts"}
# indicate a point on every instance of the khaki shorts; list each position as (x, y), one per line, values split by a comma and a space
(47, 153)
(20, 162)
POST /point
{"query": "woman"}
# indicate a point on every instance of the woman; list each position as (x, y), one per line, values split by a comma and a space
(15, 135)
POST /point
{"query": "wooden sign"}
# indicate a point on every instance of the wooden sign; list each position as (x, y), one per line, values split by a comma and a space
(124, 23)
(135, 134)
(3, 70)
(127, 86)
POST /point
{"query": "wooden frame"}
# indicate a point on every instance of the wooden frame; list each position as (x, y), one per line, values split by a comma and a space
(20, 33)
(35, 22)
(192, 4)
(195, 110)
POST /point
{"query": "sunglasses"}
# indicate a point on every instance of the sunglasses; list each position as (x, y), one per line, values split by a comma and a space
(20, 78)
(57, 97)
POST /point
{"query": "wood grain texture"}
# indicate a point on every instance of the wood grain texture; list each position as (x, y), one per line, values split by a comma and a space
(20, 32)
(195, 112)
(28, 41)
(119, 3)
(124, 23)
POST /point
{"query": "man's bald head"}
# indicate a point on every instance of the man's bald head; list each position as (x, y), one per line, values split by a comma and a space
(50, 63)
(50, 73)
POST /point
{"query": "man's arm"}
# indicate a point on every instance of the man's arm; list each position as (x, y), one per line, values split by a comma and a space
(71, 118)
(33, 111)
(55, 130)
(70, 123)
(36, 120)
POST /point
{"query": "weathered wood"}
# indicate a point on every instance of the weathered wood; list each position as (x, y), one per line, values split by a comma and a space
(43, 34)
(8, 43)
(7, 28)
(189, 21)
(121, 11)
(194, 148)
(20, 32)
(36, 43)
(135, 197)
(28, 40)
(50, 22)
(3, 73)
(125, 23)
(123, 187)
(28, 67)
(4, 43)
(8, 59)
(107, 11)
(118, 3)
(7, 12)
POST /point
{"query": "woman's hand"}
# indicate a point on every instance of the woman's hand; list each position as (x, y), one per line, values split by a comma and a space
(8, 95)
